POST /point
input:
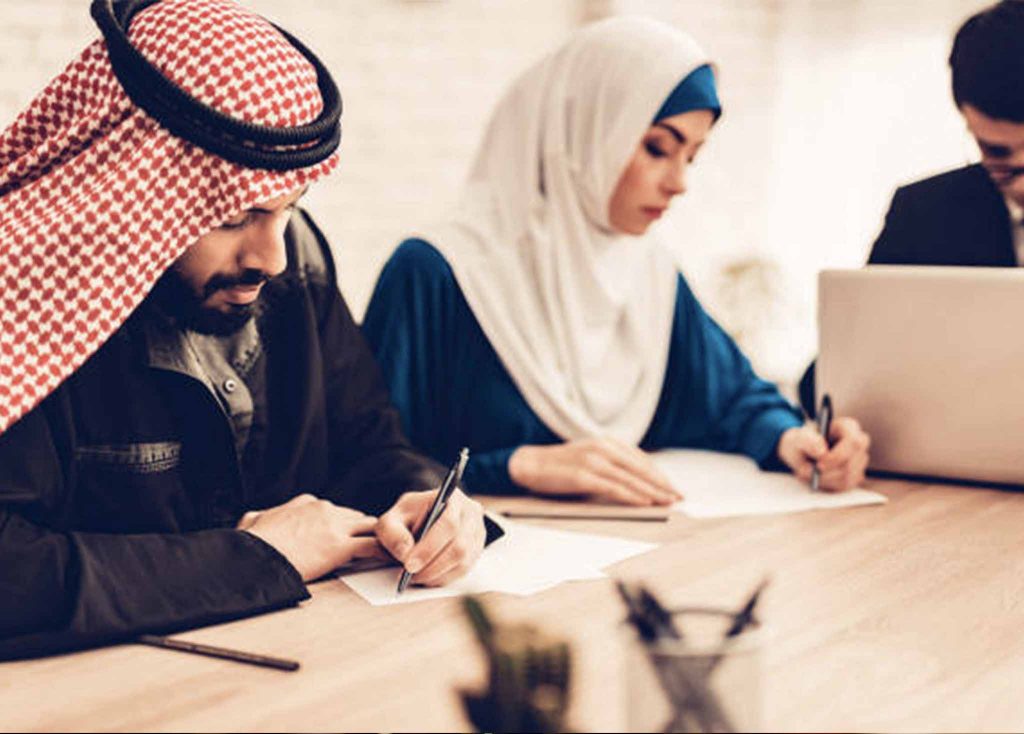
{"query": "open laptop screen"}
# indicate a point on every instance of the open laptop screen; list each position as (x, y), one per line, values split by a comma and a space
(931, 361)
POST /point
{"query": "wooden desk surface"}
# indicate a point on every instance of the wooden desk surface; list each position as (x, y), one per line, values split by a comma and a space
(904, 617)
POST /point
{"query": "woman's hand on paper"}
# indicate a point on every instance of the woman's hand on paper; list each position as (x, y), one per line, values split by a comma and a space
(315, 535)
(603, 469)
(450, 547)
(841, 467)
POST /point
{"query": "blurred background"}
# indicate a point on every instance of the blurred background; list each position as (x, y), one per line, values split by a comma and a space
(829, 105)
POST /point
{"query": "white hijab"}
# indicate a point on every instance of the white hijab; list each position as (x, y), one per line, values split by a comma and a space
(580, 315)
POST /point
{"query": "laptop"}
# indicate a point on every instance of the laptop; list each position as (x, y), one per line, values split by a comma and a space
(930, 360)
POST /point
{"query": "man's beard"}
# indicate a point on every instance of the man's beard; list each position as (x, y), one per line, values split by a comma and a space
(175, 298)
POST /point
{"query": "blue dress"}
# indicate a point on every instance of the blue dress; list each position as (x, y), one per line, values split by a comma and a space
(452, 389)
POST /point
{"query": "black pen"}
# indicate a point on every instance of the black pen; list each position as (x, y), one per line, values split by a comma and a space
(659, 616)
(238, 656)
(582, 516)
(745, 616)
(450, 484)
(824, 424)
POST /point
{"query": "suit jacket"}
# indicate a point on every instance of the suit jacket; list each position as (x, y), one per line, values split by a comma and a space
(955, 218)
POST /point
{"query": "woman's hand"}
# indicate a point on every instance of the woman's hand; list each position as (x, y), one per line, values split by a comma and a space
(598, 468)
(842, 467)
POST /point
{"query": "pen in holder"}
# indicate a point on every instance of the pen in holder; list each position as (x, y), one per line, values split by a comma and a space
(528, 677)
(691, 669)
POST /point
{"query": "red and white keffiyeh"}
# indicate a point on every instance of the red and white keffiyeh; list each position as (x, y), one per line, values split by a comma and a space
(97, 199)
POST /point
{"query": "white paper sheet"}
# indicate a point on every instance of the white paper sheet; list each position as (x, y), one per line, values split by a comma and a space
(527, 560)
(724, 485)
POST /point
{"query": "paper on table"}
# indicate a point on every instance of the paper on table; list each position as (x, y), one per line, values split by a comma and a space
(527, 560)
(715, 484)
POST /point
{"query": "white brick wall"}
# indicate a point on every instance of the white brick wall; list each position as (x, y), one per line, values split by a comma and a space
(417, 77)
(829, 104)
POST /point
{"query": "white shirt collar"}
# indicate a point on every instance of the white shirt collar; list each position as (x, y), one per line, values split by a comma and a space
(1016, 228)
(1015, 209)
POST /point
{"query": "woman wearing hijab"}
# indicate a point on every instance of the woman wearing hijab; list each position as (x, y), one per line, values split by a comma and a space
(545, 324)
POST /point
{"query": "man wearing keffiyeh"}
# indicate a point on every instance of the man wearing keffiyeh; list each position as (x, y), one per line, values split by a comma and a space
(191, 425)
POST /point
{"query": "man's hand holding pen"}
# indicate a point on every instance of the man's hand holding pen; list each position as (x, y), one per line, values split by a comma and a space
(448, 549)
(841, 466)
(316, 536)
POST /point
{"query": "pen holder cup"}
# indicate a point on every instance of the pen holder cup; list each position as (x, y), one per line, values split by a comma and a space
(704, 682)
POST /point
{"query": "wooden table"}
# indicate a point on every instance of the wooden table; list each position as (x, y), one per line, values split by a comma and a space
(904, 617)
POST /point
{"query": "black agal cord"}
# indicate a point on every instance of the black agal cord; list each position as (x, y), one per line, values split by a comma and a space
(245, 143)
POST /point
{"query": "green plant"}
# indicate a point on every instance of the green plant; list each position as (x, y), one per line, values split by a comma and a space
(528, 676)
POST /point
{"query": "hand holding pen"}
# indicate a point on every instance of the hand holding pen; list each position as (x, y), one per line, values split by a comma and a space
(830, 456)
(438, 535)
(824, 426)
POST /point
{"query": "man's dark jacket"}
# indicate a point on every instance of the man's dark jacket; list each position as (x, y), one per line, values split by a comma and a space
(119, 492)
(956, 218)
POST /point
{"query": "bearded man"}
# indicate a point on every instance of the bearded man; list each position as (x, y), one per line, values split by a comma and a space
(191, 425)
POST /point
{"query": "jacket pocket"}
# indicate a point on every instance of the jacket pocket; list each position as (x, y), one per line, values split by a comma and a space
(131, 458)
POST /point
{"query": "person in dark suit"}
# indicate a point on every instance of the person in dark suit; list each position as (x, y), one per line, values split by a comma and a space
(972, 215)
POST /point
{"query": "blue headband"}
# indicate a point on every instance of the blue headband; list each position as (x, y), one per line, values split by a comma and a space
(695, 92)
